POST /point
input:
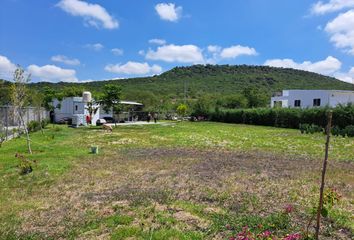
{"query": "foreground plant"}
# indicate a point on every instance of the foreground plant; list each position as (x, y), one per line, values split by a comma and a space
(19, 99)
(25, 165)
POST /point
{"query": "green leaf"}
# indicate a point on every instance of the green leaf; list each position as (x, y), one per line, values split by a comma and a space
(324, 212)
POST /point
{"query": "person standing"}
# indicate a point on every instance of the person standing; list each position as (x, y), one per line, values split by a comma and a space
(155, 117)
(149, 117)
(88, 119)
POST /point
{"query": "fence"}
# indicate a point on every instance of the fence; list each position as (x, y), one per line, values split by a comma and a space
(10, 121)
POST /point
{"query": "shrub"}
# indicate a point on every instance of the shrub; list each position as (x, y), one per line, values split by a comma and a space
(44, 122)
(336, 131)
(25, 165)
(33, 126)
(349, 130)
(315, 118)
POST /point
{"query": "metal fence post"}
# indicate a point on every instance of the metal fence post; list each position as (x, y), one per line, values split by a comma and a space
(6, 123)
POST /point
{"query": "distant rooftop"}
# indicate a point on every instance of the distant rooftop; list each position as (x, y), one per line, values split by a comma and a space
(324, 90)
(79, 99)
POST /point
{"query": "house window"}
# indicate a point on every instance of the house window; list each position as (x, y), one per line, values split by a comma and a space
(316, 102)
(297, 103)
(76, 108)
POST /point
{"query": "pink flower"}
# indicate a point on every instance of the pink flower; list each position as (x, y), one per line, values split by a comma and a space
(266, 233)
(289, 208)
(294, 236)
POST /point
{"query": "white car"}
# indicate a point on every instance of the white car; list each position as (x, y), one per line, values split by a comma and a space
(100, 122)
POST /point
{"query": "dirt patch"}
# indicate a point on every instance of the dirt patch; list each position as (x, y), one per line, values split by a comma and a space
(239, 182)
(191, 220)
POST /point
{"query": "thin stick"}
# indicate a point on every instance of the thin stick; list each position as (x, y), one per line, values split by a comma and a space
(320, 205)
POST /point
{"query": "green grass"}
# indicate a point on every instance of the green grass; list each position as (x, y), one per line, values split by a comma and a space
(236, 137)
(148, 186)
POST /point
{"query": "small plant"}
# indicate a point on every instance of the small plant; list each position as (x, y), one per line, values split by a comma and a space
(310, 128)
(2, 138)
(248, 234)
(330, 198)
(2, 135)
(25, 165)
(349, 130)
(44, 123)
(304, 127)
(57, 129)
(336, 131)
(294, 236)
(182, 110)
(33, 126)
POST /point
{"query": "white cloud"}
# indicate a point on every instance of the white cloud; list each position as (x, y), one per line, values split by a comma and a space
(169, 11)
(214, 49)
(117, 51)
(52, 73)
(133, 68)
(346, 77)
(176, 53)
(341, 30)
(141, 52)
(236, 51)
(329, 66)
(65, 60)
(157, 41)
(7, 68)
(320, 7)
(96, 46)
(93, 14)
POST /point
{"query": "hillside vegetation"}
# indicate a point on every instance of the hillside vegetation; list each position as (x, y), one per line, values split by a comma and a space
(201, 80)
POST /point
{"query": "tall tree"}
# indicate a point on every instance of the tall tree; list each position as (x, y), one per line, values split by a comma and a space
(110, 98)
(256, 97)
(19, 99)
(92, 107)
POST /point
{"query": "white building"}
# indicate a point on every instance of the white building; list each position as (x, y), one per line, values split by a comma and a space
(70, 106)
(77, 108)
(312, 98)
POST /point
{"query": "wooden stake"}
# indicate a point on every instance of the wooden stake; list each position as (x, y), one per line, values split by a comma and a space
(320, 205)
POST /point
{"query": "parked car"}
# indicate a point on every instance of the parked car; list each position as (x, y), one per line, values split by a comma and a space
(65, 120)
(100, 122)
(109, 119)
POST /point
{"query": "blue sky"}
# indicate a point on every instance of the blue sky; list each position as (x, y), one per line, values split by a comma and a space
(77, 40)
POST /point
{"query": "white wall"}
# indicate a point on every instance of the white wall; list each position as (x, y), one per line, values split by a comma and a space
(337, 98)
(328, 98)
(307, 97)
(68, 108)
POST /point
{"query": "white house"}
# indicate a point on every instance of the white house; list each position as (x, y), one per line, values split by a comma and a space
(77, 108)
(71, 106)
(312, 98)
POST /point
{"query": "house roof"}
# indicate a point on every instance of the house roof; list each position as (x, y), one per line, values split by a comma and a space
(131, 103)
(318, 90)
(80, 99)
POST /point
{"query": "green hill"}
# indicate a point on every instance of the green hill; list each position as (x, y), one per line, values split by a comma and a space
(201, 80)
(218, 79)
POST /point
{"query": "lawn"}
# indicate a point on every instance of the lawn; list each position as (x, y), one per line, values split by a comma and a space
(172, 181)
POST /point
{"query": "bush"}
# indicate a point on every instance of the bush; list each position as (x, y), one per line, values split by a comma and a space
(33, 126)
(44, 122)
(343, 116)
(336, 131)
(25, 165)
(349, 130)
(310, 128)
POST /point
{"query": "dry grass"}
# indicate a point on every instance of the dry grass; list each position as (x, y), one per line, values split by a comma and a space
(157, 192)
